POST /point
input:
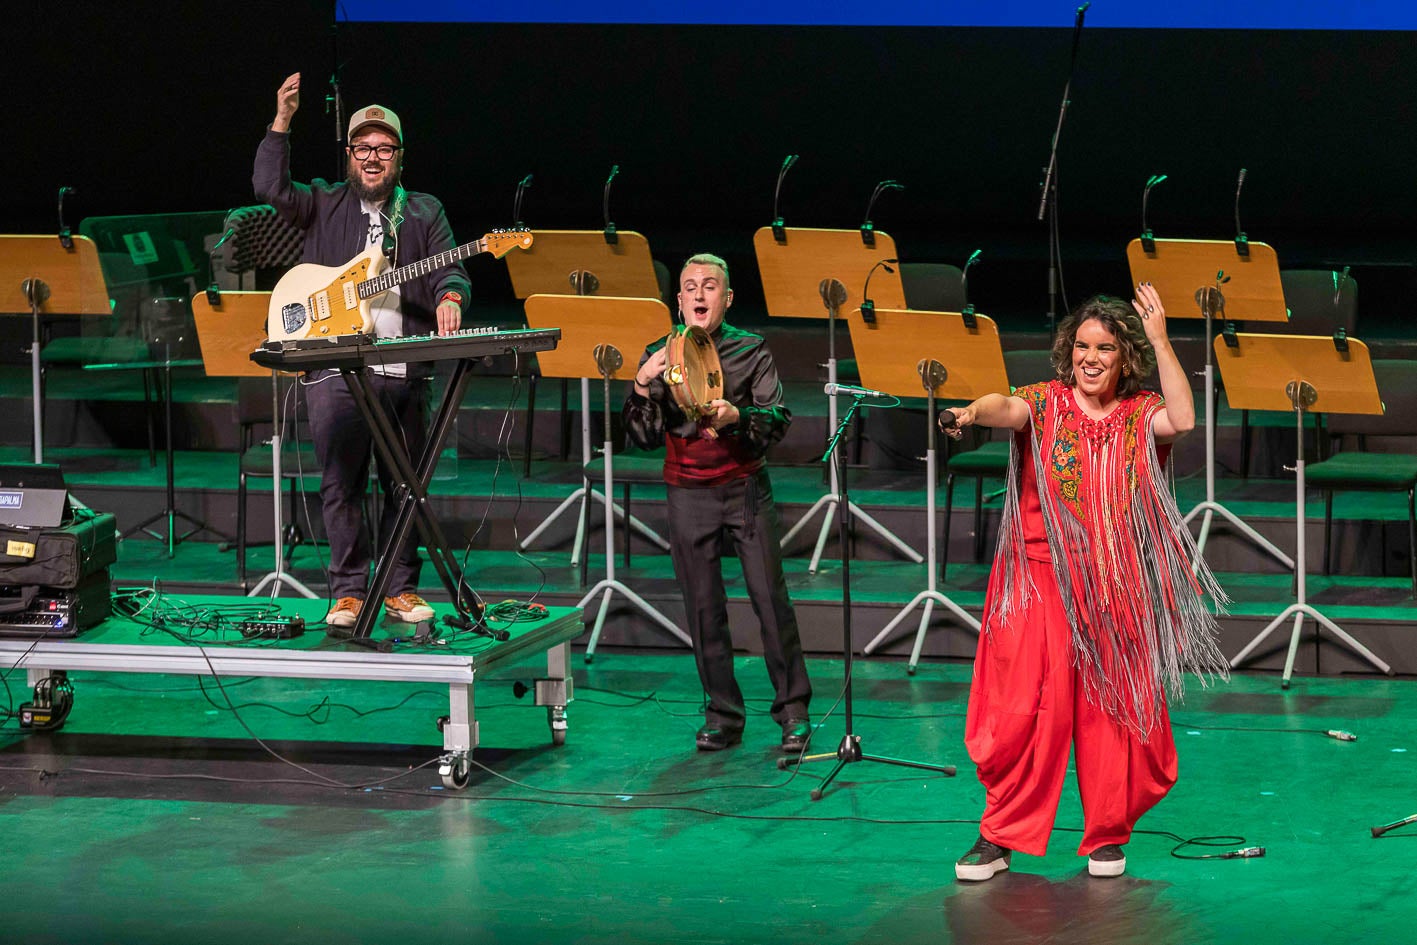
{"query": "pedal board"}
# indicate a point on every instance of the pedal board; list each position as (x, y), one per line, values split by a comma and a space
(279, 628)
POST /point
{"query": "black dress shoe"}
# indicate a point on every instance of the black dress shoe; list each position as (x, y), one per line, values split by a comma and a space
(796, 733)
(714, 738)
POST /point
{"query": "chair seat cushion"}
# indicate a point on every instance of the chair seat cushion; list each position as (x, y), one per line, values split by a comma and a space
(1393, 472)
(990, 459)
(94, 350)
(633, 468)
(256, 461)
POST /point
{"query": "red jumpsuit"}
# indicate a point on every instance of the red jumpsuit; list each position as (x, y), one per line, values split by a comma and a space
(1042, 683)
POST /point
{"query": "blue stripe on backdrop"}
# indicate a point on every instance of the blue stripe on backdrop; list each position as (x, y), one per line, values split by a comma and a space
(1194, 14)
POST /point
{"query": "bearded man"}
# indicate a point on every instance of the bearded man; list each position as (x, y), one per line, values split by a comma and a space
(342, 220)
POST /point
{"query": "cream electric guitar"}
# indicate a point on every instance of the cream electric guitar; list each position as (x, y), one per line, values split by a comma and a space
(313, 301)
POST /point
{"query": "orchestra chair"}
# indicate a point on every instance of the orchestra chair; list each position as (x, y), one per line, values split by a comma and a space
(1353, 470)
(668, 294)
(1320, 302)
(256, 243)
(929, 287)
(253, 408)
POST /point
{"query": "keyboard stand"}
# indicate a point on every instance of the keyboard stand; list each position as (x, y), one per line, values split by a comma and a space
(411, 494)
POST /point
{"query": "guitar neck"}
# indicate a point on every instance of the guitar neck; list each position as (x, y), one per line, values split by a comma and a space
(385, 281)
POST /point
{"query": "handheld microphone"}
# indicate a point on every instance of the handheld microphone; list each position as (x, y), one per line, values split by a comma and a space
(947, 419)
(610, 235)
(522, 186)
(868, 308)
(779, 229)
(832, 390)
(1148, 242)
(868, 230)
(66, 237)
(1242, 242)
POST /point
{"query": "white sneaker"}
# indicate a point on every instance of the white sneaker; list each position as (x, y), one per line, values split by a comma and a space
(983, 860)
(1108, 860)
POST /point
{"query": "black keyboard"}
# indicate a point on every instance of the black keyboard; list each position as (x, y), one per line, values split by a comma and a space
(351, 351)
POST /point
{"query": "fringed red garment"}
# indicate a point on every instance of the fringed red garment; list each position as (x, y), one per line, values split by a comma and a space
(1119, 550)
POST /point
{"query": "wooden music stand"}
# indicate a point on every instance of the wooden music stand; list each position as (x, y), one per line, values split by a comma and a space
(1184, 272)
(819, 274)
(935, 353)
(38, 276)
(590, 327)
(1302, 373)
(580, 262)
(227, 334)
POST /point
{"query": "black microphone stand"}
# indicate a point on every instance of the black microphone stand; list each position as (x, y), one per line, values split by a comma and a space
(335, 100)
(1048, 200)
(849, 750)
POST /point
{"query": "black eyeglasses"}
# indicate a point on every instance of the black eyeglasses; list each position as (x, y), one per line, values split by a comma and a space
(385, 152)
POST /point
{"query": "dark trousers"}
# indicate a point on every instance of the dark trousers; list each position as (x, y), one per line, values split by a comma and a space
(700, 522)
(343, 444)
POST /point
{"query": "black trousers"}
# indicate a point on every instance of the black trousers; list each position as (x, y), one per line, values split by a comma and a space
(343, 444)
(701, 522)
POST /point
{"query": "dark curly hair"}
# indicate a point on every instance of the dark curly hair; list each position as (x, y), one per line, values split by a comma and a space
(1118, 317)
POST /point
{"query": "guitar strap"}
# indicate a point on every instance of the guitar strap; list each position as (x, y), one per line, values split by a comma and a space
(395, 218)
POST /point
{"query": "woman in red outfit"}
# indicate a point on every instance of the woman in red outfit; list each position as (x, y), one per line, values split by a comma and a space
(1093, 609)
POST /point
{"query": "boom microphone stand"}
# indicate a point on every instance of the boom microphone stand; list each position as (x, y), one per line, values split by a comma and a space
(1048, 200)
(849, 750)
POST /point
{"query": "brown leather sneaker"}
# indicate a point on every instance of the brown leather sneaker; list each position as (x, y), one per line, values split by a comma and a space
(345, 612)
(408, 607)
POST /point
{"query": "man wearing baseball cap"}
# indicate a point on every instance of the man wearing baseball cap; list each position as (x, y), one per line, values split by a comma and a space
(342, 220)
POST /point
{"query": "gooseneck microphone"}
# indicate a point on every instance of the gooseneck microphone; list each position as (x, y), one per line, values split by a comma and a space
(967, 310)
(66, 237)
(1148, 241)
(1242, 242)
(868, 308)
(868, 229)
(610, 235)
(779, 229)
(522, 186)
(1339, 281)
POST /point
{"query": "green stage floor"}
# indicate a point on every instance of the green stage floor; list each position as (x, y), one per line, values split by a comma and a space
(155, 816)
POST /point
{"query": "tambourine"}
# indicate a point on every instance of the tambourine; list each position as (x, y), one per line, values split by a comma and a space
(693, 373)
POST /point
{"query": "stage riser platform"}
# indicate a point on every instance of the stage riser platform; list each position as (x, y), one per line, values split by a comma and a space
(1360, 547)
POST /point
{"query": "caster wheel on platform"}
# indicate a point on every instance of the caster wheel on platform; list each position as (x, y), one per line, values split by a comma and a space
(558, 737)
(455, 772)
(910, 670)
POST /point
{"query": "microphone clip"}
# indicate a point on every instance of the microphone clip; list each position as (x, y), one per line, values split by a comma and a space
(779, 231)
(1148, 242)
(971, 323)
(868, 312)
(611, 237)
(1242, 245)
(868, 233)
